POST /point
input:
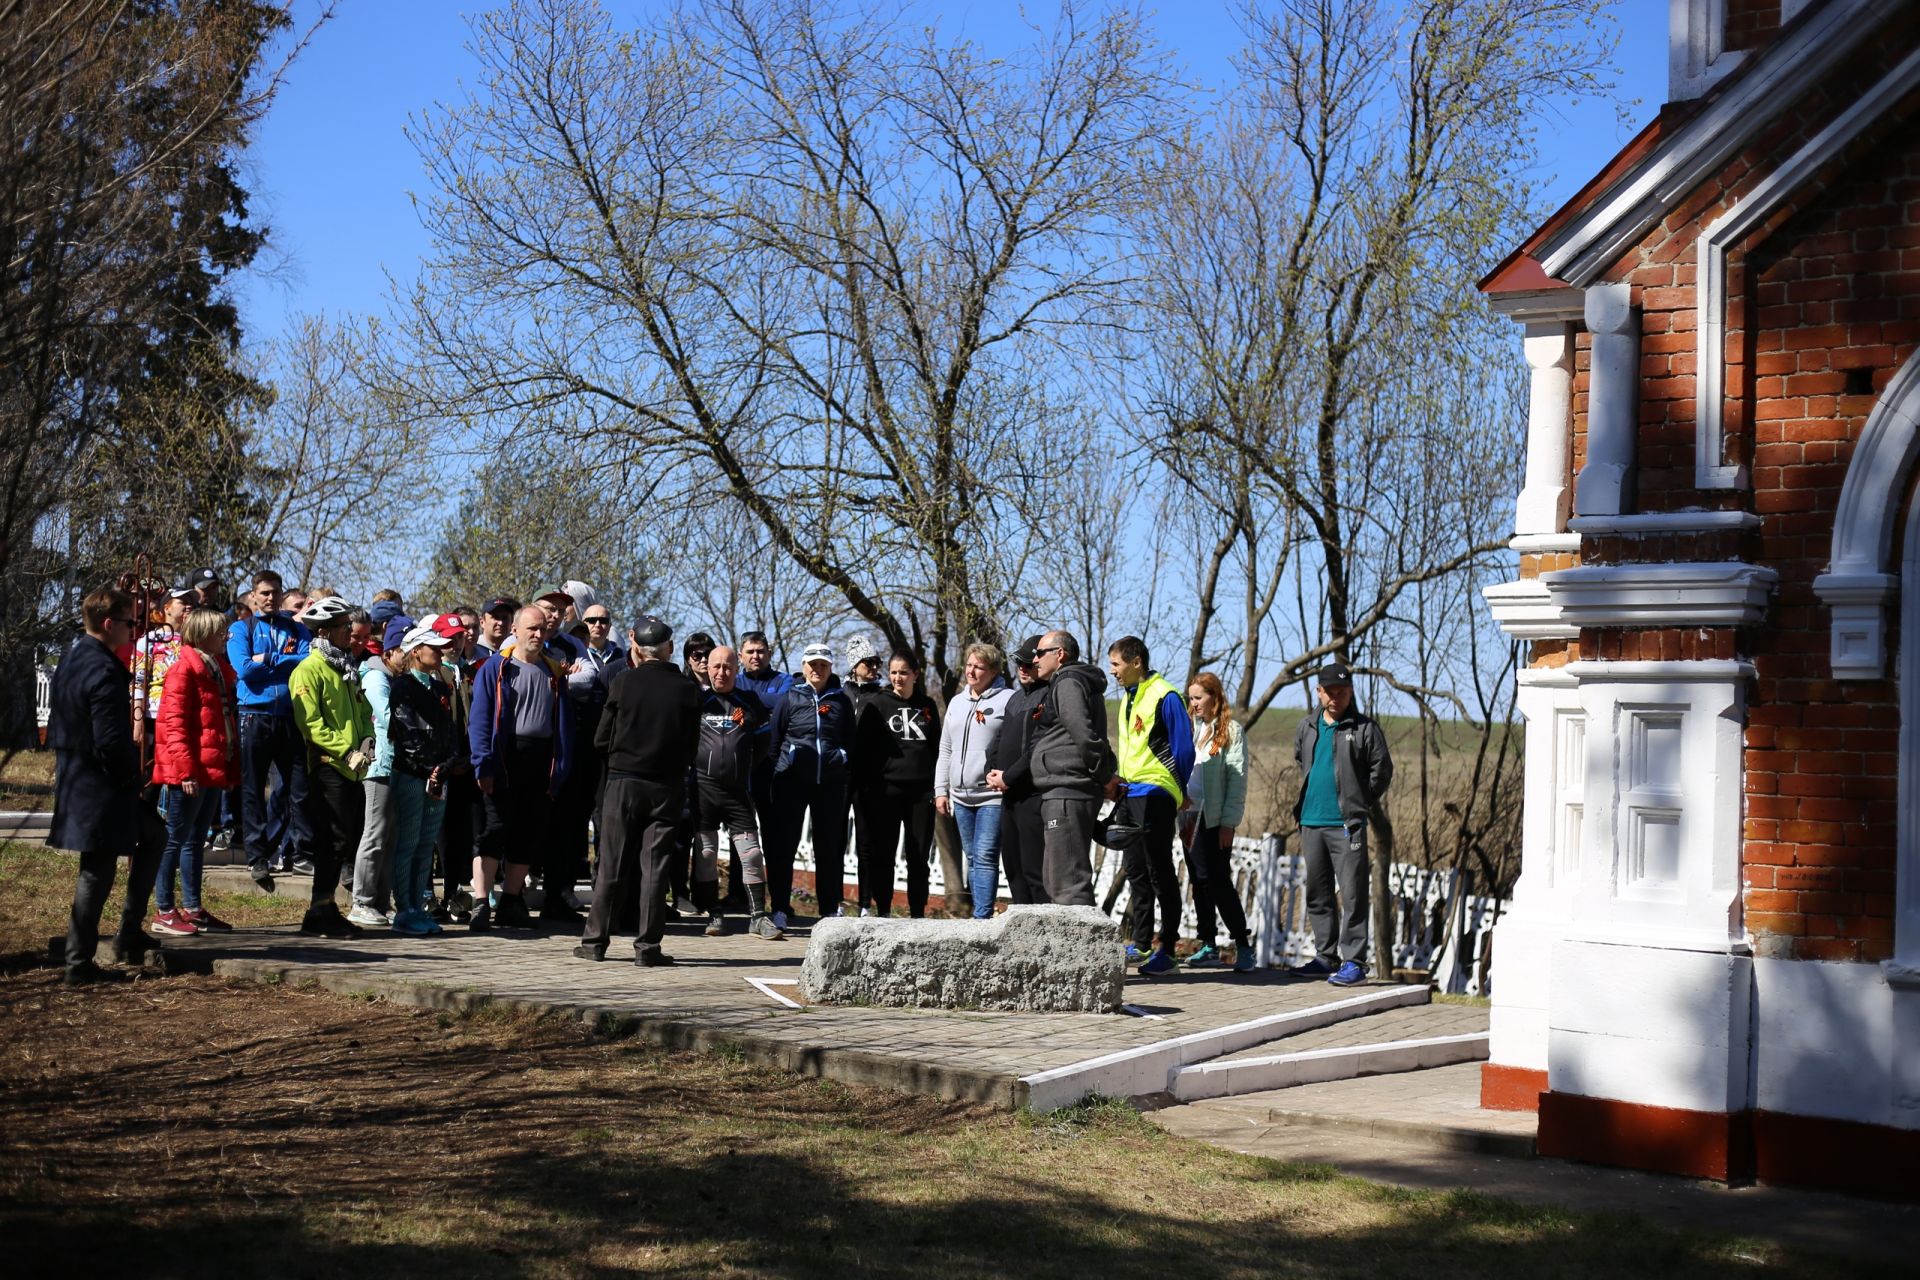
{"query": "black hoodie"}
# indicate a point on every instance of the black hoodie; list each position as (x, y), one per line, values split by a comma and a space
(898, 741)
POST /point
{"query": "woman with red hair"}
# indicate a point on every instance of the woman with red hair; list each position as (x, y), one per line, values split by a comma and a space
(1216, 801)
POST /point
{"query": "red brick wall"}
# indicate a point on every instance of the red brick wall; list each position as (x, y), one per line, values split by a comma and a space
(1751, 23)
(1824, 306)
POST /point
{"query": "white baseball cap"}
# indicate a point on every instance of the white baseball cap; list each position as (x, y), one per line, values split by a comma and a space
(817, 653)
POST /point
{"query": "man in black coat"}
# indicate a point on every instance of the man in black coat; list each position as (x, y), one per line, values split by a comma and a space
(1010, 772)
(649, 730)
(96, 782)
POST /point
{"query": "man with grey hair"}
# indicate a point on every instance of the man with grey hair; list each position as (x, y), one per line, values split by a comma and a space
(1071, 763)
(649, 730)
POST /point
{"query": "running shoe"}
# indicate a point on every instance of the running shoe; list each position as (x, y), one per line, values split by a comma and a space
(866, 913)
(1134, 954)
(780, 921)
(1207, 957)
(176, 923)
(1314, 968)
(370, 918)
(262, 875)
(716, 925)
(327, 922)
(302, 866)
(412, 924)
(1243, 961)
(480, 919)
(766, 930)
(206, 922)
(1158, 963)
(1348, 975)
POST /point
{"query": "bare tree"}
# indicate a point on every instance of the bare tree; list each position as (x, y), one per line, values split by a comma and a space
(798, 261)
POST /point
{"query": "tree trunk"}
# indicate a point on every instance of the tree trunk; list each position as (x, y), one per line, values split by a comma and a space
(1380, 868)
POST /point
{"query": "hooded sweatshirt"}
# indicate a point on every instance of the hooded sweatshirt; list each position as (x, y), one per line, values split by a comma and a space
(897, 742)
(1071, 756)
(967, 739)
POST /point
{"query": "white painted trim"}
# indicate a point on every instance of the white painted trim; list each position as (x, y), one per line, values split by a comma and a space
(1542, 505)
(1906, 884)
(1666, 522)
(1534, 305)
(1605, 485)
(1591, 242)
(1529, 544)
(765, 986)
(1316, 1066)
(1149, 1068)
(1710, 468)
(1729, 594)
(1705, 669)
(1548, 678)
(1526, 611)
(1697, 56)
(1859, 580)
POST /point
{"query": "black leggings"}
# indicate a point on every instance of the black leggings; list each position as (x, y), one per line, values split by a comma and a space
(1210, 872)
(337, 811)
(891, 810)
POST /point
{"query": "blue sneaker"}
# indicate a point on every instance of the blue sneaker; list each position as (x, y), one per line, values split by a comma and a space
(413, 924)
(1134, 954)
(1314, 968)
(1243, 961)
(1207, 957)
(1349, 975)
(1159, 962)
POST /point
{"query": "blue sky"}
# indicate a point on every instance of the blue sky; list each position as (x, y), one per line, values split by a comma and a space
(333, 174)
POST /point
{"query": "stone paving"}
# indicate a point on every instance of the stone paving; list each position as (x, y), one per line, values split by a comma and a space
(1418, 1022)
(706, 1000)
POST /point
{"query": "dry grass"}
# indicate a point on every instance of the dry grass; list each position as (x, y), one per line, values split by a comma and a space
(36, 889)
(26, 781)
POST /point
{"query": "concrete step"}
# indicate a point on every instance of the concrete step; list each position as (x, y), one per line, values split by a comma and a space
(1243, 1074)
(1437, 1107)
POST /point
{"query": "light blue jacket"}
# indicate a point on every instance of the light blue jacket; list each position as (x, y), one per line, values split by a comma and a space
(1217, 787)
(374, 683)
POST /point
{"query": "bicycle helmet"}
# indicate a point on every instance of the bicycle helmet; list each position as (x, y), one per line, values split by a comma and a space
(324, 612)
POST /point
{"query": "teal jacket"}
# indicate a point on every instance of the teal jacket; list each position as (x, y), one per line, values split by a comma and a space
(1217, 788)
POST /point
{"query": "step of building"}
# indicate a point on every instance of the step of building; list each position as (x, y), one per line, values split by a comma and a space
(1317, 1066)
(1437, 1107)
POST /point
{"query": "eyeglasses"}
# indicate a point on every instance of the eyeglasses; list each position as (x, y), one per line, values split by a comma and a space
(598, 622)
(1052, 648)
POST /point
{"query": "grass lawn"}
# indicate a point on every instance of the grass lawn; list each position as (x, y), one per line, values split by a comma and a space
(196, 1126)
(26, 781)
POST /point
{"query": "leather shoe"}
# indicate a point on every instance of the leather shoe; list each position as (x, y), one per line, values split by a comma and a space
(651, 957)
(586, 951)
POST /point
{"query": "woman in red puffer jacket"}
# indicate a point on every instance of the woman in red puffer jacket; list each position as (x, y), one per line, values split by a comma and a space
(196, 756)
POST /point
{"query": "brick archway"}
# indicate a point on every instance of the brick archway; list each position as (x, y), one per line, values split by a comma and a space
(1861, 576)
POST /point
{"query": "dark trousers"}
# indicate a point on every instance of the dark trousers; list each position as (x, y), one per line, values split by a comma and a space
(636, 829)
(573, 809)
(865, 853)
(337, 814)
(1066, 821)
(1022, 850)
(1149, 871)
(96, 882)
(1210, 872)
(456, 835)
(891, 811)
(795, 797)
(517, 819)
(271, 750)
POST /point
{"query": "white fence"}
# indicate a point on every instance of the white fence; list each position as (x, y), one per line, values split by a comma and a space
(1440, 925)
(42, 695)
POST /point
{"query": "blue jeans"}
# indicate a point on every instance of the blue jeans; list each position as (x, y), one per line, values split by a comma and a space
(186, 818)
(415, 819)
(980, 837)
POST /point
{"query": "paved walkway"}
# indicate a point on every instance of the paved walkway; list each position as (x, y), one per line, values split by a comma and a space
(708, 998)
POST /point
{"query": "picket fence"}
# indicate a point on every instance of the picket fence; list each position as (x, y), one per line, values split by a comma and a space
(1441, 926)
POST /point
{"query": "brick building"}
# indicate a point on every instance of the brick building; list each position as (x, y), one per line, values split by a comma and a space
(1712, 965)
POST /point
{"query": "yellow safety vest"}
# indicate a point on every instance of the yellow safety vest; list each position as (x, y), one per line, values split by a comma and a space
(1139, 711)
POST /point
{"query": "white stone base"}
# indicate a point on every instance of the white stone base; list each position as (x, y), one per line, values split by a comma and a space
(1034, 959)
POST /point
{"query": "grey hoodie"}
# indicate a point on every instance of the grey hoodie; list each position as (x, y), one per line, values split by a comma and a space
(1070, 752)
(966, 737)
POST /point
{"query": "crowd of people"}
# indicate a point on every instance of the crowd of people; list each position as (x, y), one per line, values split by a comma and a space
(447, 762)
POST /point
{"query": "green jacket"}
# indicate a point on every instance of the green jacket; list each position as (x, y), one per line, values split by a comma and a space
(1217, 788)
(331, 714)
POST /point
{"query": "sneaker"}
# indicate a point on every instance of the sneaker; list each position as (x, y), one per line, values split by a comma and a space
(587, 951)
(651, 957)
(1134, 954)
(512, 912)
(413, 924)
(302, 866)
(262, 875)
(1349, 975)
(221, 839)
(480, 919)
(1243, 961)
(327, 922)
(206, 922)
(1207, 957)
(1314, 968)
(866, 913)
(841, 912)
(766, 930)
(441, 913)
(780, 921)
(1159, 962)
(716, 926)
(372, 919)
(176, 923)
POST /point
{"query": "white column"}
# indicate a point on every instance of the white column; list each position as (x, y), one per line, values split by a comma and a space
(1605, 486)
(1543, 502)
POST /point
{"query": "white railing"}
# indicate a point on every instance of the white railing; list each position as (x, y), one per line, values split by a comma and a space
(1440, 925)
(42, 695)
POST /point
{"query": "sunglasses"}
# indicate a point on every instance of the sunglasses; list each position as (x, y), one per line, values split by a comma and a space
(1037, 653)
(598, 622)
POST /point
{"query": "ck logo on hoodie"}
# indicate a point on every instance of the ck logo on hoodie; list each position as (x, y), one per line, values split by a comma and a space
(908, 724)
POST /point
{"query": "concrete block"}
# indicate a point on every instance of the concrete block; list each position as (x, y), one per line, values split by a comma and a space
(1036, 959)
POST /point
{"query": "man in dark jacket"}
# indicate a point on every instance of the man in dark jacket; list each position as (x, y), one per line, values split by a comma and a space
(1071, 763)
(96, 782)
(1344, 771)
(1010, 772)
(649, 730)
(729, 720)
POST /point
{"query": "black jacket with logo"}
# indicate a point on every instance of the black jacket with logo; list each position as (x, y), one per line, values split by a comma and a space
(898, 742)
(728, 722)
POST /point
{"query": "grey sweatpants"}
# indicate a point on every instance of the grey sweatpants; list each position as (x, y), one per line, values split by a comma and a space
(1066, 824)
(373, 862)
(1337, 854)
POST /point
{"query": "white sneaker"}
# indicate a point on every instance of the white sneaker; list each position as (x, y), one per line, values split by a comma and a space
(368, 916)
(780, 920)
(866, 913)
(841, 913)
